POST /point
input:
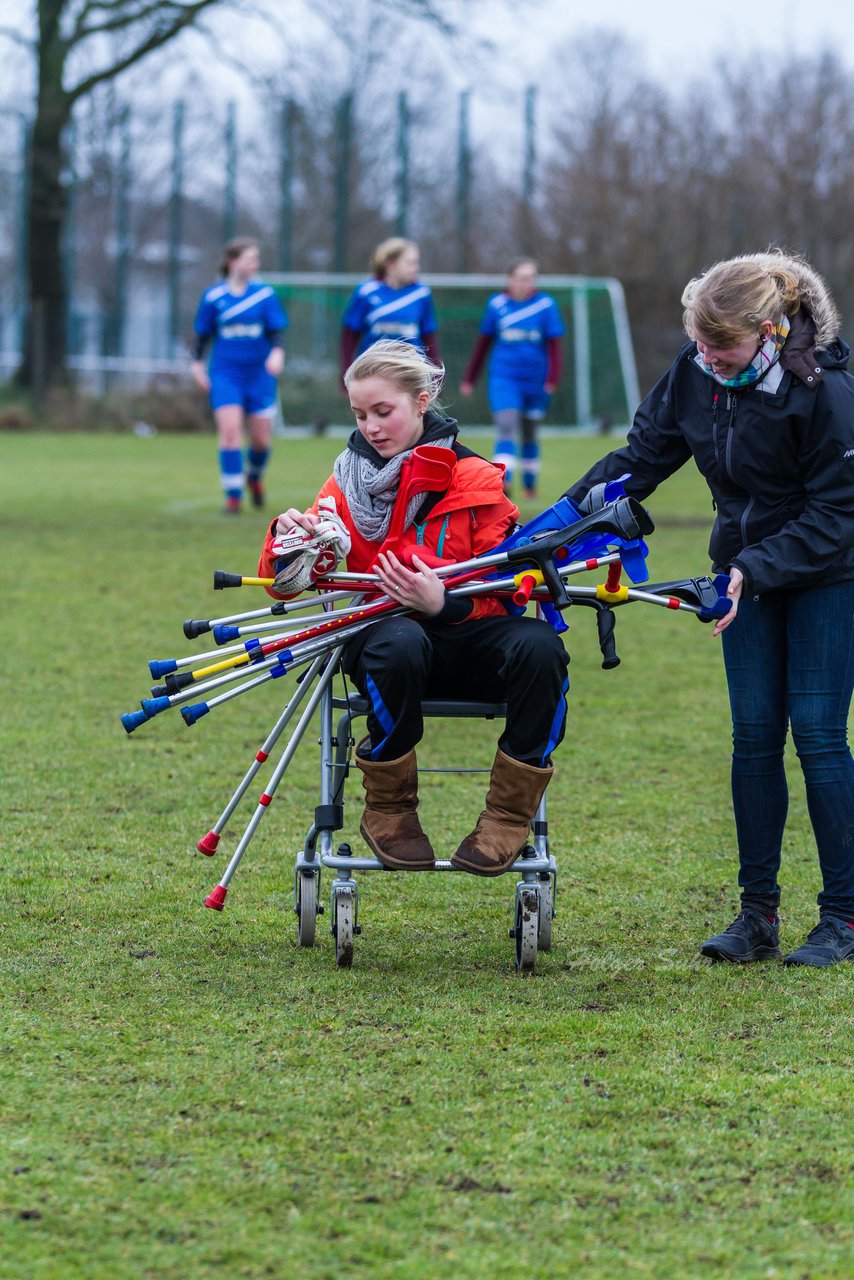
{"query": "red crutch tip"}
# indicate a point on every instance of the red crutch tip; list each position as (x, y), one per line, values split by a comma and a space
(216, 900)
(522, 594)
(207, 845)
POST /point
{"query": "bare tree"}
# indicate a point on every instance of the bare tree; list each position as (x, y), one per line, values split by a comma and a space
(129, 30)
(654, 184)
(78, 45)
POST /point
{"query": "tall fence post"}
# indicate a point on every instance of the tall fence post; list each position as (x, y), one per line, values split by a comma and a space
(463, 183)
(229, 207)
(23, 236)
(402, 177)
(343, 144)
(38, 350)
(175, 229)
(529, 159)
(287, 134)
(69, 242)
(122, 233)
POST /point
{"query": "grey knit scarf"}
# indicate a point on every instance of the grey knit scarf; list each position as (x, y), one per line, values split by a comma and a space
(371, 490)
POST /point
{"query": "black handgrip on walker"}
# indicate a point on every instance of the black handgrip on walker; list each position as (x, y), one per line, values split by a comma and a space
(605, 625)
(555, 583)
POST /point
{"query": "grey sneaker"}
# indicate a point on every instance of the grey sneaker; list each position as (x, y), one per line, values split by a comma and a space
(751, 936)
(830, 942)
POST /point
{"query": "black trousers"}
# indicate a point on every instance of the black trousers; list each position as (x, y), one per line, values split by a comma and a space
(518, 660)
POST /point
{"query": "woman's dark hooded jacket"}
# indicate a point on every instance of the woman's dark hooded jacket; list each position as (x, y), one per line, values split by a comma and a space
(780, 465)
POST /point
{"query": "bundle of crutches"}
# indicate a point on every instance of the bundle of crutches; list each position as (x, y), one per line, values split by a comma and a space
(534, 564)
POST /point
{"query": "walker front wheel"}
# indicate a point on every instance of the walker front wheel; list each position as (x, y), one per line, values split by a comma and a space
(342, 927)
(527, 928)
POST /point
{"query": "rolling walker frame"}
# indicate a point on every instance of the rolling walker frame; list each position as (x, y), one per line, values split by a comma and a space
(536, 889)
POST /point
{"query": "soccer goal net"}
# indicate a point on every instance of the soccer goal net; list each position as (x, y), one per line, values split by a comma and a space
(599, 387)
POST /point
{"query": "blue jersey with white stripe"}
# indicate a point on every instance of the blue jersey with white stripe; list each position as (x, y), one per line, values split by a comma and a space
(520, 331)
(240, 324)
(375, 310)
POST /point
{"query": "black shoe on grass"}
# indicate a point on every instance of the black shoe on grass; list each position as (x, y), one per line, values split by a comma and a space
(256, 489)
(830, 942)
(751, 936)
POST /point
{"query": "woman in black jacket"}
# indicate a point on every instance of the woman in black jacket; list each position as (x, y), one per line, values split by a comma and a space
(762, 400)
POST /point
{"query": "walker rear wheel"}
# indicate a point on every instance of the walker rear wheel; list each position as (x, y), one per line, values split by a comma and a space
(544, 935)
(306, 908)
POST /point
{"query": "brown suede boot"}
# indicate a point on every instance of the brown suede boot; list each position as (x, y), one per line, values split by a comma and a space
(515, 791)
(390, 823)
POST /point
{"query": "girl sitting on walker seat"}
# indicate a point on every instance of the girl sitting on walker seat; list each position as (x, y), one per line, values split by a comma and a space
(467, 648)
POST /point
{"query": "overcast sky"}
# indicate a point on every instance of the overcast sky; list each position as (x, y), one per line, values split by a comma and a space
(676, 40)
(679, 39)
(532, 41)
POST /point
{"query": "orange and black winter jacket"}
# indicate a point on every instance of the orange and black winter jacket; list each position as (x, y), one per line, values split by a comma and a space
(470, 519)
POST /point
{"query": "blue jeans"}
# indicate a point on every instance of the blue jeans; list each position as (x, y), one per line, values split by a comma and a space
(789, 659)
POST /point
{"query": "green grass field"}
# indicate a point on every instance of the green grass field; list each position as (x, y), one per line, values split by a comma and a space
(187, 1094)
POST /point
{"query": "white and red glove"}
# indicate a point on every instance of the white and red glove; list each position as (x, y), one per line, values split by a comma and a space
(303, 558)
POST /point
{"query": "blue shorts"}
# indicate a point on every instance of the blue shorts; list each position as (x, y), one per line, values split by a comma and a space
(250, 386)
(525, 394)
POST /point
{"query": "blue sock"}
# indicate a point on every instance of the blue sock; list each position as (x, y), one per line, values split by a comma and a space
(256, 461)
(530, 465)
(231, 472)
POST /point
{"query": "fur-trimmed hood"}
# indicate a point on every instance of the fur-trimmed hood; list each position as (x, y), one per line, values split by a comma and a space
(815, 296)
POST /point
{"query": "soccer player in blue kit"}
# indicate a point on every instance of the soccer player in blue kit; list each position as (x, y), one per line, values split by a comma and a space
(523, 327)
(246, 321)
(393, 304)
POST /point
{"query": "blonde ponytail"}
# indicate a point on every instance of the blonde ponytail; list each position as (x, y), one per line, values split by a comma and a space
(734, 298)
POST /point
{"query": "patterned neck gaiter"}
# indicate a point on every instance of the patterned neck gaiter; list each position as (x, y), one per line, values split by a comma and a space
(766, 357)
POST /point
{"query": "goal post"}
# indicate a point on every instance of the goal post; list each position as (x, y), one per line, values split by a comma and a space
(599, 387)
